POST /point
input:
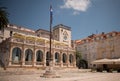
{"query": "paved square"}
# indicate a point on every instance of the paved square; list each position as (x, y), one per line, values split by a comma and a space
(34, 75)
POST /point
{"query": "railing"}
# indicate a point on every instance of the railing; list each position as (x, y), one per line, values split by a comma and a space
(28, 62)
(18, 40)
(39, 63)
(65, 64)
(57, 64)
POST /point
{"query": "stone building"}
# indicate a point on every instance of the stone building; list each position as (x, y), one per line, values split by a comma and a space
(23, 47)
(99, 46)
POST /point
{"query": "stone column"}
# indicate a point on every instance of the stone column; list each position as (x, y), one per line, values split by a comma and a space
(53, 58)
(10, 56)
(74, 60)
(23, 56)
(68, 63)
(34, 60)
(44, 58)
(61, 62)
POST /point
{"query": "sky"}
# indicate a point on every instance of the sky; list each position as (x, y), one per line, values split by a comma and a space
(85, 17)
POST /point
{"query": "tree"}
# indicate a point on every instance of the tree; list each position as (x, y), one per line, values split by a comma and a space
(80, 62)
(3, 17)
(78, 58)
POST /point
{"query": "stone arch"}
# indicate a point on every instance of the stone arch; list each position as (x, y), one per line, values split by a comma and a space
(28, 56)
(57, 56)
(39, 56)
(71, 58)
(16, 55)
(64, 58)
(83, 64)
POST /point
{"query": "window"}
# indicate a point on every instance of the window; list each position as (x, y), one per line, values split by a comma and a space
(64, 58)
(56, 57)
(70, 58)
(28, 55)
(11, 32)
(16, 55)
(39, 56)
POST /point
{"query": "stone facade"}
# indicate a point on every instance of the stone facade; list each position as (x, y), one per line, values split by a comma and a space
(99, 46)
(22, 47)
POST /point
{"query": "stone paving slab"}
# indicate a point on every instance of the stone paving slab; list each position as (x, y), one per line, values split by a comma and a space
(66, 75)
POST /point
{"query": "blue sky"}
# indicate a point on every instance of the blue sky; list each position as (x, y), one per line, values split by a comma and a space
(85, 17)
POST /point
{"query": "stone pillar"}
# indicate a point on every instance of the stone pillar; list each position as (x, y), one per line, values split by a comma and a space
(68, 63)
(10, 56)
(74, 60)
(61, 62)
(53, 57)
(44, 58)
(23, 57)
(34, 60)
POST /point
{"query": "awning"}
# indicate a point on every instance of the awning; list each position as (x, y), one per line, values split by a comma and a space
(104, 61)
(117, 61)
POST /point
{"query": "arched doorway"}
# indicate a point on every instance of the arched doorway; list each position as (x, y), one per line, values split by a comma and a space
(83, 64)
(16, 55)
(28, 57)
(57, 57)
(64, 58)
(71, 58)
(47, 58)
(39, 56)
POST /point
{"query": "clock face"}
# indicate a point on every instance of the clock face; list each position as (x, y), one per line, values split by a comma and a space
(65, 37)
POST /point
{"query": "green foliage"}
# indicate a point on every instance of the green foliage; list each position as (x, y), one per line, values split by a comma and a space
(78, 55)
(3, 17)
(78, 58)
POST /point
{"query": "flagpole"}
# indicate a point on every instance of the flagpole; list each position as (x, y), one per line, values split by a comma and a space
(50, 59)
(50, 73)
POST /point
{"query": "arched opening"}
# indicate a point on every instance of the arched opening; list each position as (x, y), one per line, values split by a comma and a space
(64, 58)
(71, 58)
(47, 58)
(56, 57)
(16, 55)
(39, 56)
(83, 64)
(28, 57)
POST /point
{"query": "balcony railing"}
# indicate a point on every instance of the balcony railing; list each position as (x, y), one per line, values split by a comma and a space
(38, 43)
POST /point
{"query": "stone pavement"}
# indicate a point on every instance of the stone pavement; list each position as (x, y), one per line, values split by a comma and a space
(34, 75)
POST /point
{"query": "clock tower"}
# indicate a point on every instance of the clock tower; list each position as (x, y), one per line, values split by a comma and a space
(62, 33)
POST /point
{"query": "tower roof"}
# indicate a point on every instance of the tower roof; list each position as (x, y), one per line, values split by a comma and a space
(62, 26)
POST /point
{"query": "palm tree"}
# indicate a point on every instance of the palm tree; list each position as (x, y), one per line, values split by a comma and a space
(3, 17)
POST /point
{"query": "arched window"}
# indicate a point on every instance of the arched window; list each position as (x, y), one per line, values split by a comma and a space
(16, 55)
(28, 55)
(64, 58)
(39, 56)
(56, 57)
(47, 58)
(70, 58)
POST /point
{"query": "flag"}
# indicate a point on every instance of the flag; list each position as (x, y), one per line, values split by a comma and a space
(51, 13)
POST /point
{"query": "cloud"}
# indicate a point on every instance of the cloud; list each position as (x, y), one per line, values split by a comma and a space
(77, 5)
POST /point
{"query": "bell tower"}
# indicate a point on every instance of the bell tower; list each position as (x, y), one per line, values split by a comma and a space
(62, 33)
